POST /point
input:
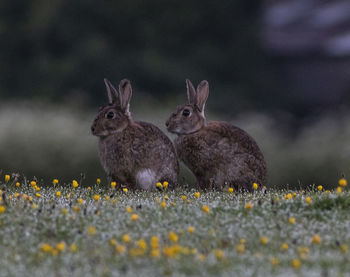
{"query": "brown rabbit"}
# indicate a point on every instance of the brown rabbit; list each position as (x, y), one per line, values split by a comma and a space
(217, 153)
(133, 153)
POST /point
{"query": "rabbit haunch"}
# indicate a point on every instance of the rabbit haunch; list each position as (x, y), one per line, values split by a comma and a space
(133, 153)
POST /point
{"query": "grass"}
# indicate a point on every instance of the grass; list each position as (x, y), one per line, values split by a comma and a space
(50, 235)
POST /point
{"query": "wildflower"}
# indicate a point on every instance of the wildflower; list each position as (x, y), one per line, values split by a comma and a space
(230, 190)
(205, 209)
(113, 185)
(91, 230)
(157, 200)
(201, 257)
(30, 199)
(343, 248)
(34, 206)
(98, 181)
(136, 252)
(249, 206)
(7, 178)
(219, 254)
(60, 246)
(18, 184)
(240, 248)
(159, 185)
(80, 201)
(308, 200)
(166, 197)
(142, 244)
(112, 242)
(343, 182)
(37, 188)
(303, 252)
(75, 184)
(319, 188)
(68, 195)
(316, 239)
(134, 217)
(126, 238)
(2, 209)
(284, 247)
(292, 220)
(264, 240)
(46, 247)
(242, 240)
(64, 211)
(33, 184)
(296, 263)
(58, 193)
(163, 204)
(183, 197)
(154, 242)
(73, 248)
(55, 182)
(190, 229)
(129, 209)
(288, 196)
(120, 249)
(89, 188)
(165, 184)
(197, 194)
(125, 190)
(16, 195)
(38, 195)
(339, 190)
(173, 236)
(294, 194)
(107, 198)
(274, 261)
(255, 186)
(155, 253)
(76, 209)
(97, 197)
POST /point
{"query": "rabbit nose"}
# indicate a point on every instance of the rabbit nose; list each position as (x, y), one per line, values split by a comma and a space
(92, 128)
(167, 123)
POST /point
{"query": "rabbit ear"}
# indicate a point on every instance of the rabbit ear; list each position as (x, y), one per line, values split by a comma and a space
(202, 95)
(191, 92)
(125, 92)
(112, 92)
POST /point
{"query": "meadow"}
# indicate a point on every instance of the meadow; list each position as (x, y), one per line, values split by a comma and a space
(100, 229)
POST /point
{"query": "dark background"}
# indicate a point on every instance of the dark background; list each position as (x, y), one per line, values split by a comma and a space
(278, 69)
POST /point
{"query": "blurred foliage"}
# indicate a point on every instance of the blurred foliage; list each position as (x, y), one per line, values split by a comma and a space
(63, 49)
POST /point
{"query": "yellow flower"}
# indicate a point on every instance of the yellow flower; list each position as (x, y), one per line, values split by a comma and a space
(76, 209)
(342, 182)
(205, 209)
(89, 188)
(284, 247)
(166, 197)
(33, 184)
(126, 238)
(91, 230)
(154, 242)
(264, 240)
(60, 246)
(75, 184)
(240, 248)
(163, 204)
(80, 201)
(58, 193)
(343, 248)
(18, 184)
(274, 261)
(113, 185)
(16, 195)
(296, 263)
(142, 244)
(249, 206)
(125, 190)
(7, 178)
(134, 217)
(319, 188)
(288, 196)
(255, 186)
(46, 247)
(159, 185)
(183, 197)
(97, 197)
(34, 206)
(68, 195)
(157, 200)
(242, 240)
(173, 236)
(218, 253)
(308, 200)
(190, 229)
(230, 190)
(120, 249)
(197, 194)
(98, 181)
(73, 248)
(112, 242)
(155, 253)
(55, 182)
(64, 211)
(38, 195)
(129, 209)
(201, 257)
(316, 239)
(165, 184)
(294, 194)
(339, 190)
(291, 220)
(107, 198)
(37, 188)
(303, 252)
(2, 209)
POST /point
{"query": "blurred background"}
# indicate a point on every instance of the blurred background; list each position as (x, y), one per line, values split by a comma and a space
(278, 69)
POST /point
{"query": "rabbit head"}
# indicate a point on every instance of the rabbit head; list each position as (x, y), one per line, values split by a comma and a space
(114, 117)
(189, 118)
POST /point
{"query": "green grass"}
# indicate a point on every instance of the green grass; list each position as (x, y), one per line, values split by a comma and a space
(25, 227)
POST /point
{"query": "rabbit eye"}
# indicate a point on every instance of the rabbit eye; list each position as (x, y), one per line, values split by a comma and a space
(110, 115)
(186, 112)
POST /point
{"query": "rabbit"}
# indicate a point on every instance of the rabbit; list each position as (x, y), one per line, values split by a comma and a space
(217, 153)
(133, 153)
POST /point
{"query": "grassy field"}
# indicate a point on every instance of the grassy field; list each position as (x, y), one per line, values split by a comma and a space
(62, 230)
